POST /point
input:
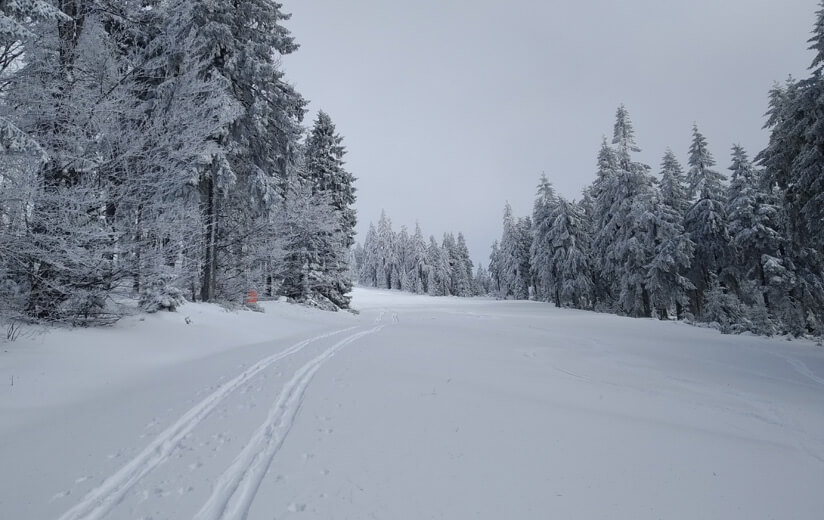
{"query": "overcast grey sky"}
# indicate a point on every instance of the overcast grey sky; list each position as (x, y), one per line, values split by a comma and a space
(450, 108)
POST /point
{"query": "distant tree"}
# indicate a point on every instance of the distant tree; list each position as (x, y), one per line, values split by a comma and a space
(541, 250)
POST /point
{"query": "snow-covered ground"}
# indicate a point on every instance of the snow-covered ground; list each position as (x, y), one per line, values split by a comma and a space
(418, 408)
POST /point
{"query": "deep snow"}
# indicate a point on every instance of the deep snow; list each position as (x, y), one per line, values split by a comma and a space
(417, 408)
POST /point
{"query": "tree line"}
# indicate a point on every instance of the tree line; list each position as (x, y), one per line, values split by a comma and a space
(398, 260)
(154, 150)
(742, 251)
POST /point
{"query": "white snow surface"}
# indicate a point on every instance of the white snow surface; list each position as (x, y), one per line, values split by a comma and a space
(418, 408)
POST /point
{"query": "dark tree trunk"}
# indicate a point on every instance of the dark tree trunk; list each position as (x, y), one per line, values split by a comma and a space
(208, 203)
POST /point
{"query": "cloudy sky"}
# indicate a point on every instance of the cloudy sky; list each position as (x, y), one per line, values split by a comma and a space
(450, 108)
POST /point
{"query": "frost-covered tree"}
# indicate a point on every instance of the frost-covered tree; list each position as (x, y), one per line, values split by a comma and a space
(323, 171)
(307, 233)
(756, 231)
(512, 262)
(793, 162)
(439, 277)
(253, 156)
(668, 287)
(462, 269)
(495, 269)
(706, 222)
(386, 253)
(541, 249)
(419, 261)
(403, 260)
(624, 219)
(483, 282)
(570, 261)
(369, 267)
(605, 225)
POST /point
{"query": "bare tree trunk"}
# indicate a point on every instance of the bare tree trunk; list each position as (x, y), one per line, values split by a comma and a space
(208, 197)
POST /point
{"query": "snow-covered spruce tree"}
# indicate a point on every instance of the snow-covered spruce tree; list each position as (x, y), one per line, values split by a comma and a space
(483, 282)
(440, 274)
(604, 227)
(403, 257)
(323, 171)
(495, 269)
(385, 253)
(355, 260)
(368, 272)
(541, 249)
(793, 162)
(256, 154)
(449, 248)
(706, 223)
(570, 261)
(307, 233)
(419, 275)
(513, 256)
(755, 223)
(624, 211)
(66, 264)
(463, 269)
(667, 285)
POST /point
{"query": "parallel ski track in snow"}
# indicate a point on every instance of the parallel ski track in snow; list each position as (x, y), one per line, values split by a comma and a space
(100, 501)
(236, 488)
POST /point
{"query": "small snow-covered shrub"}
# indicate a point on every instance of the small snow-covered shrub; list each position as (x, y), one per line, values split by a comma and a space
(160, 296)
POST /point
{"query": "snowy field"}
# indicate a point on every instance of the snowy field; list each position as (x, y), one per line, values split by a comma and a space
(418, 408)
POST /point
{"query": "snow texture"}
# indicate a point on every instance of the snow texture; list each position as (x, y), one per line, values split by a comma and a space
(418, 407)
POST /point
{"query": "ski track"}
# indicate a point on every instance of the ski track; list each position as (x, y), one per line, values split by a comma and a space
(100, 501)
(236, 488)
(803, 369)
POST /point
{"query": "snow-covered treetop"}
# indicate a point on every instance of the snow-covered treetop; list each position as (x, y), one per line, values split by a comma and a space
(623, 134)
(817, 40)
(704, 182)
(673, 192)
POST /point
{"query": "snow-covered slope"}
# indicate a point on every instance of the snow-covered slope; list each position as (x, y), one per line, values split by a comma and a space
(417, 408)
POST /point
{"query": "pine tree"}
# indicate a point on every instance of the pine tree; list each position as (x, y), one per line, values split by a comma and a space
(495, 269)
(668, 287)
(368, 274)
(385, 253)
(257, 153)
(324, 173)
(706, 223)
(605, 227)
(541, 250)
(570, 262)
(420, 263)
(463, 269)
(440, 273)
(623, 210)
(512, 263)
(756, 223)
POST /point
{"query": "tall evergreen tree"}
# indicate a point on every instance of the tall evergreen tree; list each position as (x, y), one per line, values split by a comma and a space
(541, 250)
(706, 222)
(570, 261)
(323, 171)
(668, 287)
